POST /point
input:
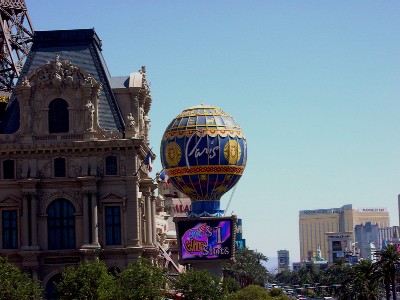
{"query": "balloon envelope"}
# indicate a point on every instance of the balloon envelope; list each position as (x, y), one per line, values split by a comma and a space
(204, 152)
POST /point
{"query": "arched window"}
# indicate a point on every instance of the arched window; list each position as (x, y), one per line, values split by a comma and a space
(111, 165)
(58, 116)
(61, 225)
(51, 287)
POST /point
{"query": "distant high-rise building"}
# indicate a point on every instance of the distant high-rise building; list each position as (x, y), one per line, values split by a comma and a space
(240, 241)
(340, 245)
(389, 235)
(313, 224)
(367, 240)
(398, 201)
(283, 260)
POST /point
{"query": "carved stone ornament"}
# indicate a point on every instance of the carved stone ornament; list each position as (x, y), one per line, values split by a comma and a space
(145, 84)
(25, 82)
(75, 197)
(75, 167)
(122, 167)
(131, 121)
(59, 74)
(107, 135)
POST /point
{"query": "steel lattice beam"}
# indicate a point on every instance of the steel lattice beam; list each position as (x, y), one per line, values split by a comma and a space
(16, 34)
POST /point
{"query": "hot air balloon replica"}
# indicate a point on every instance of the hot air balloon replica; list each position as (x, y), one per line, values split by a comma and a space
(204, 154)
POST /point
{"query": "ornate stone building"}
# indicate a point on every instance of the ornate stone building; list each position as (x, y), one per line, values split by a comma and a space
(73, 139)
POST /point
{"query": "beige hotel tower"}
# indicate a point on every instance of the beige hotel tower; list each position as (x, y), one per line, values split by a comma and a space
(313, 224)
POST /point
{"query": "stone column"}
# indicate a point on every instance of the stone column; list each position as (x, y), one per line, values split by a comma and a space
(95, 224)
(72, 122)
(45, 112)
(147, 208)
(1, 222)
(25, 222)
(35, 273)
(137, 116)
(85, 219)
(42, 228)
(153, 218)
(142, 227)
(34, 217)
(132, 213)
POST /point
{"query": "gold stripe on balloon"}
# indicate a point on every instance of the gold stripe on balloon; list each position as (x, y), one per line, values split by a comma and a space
(169, 135)
(195, 170)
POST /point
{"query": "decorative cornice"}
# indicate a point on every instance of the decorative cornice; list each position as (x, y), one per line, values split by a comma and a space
(70, 146)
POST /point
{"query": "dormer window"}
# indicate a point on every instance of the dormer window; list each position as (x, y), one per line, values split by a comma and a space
(58, 116)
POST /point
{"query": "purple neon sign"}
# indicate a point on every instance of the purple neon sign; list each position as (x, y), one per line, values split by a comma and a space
(206, 238)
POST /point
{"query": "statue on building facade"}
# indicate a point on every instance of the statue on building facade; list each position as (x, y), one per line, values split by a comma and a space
(90, 114)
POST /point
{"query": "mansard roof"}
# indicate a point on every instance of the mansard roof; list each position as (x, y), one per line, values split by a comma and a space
(81, 47)
(119, 82)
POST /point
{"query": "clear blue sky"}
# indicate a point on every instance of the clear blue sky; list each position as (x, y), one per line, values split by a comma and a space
(315, 86)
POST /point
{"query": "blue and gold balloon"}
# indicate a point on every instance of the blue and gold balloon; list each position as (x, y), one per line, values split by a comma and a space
(204, 154)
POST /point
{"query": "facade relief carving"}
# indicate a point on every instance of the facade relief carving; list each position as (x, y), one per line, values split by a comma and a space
(10, 138)
(58, 79)
(75, 167)
(56, 74)
(122, 167)
(100, 168)
(106, 134)
(45, 199)
(45, 168)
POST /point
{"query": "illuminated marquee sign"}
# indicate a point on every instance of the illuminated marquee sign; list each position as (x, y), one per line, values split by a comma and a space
(206, 238)
(374, 209)
(320, 211)
(179, 209)
(340, 236)
(61, 260)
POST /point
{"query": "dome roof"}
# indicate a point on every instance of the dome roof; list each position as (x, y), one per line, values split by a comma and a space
(203, 117)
